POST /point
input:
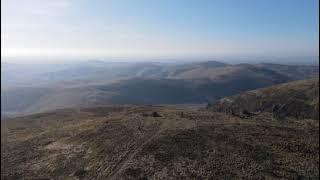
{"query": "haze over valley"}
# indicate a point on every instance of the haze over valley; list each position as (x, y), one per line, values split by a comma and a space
(35, 88)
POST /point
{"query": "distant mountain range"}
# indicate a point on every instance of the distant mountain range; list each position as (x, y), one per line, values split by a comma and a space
(30, 89)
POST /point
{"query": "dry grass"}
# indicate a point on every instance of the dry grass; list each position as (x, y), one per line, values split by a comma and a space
(122, 143)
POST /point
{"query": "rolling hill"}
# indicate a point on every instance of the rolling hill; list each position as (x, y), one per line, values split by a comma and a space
(299, 99)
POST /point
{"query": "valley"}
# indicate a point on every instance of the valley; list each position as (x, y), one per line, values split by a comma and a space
(101, 83)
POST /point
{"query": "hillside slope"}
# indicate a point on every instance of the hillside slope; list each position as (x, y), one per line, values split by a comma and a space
(131, 142)
(299, 99)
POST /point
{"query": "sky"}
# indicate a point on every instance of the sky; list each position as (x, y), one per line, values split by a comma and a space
(159, 28)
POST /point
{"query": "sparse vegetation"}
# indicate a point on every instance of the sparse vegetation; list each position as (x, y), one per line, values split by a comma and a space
(124, 143)
(298, 99)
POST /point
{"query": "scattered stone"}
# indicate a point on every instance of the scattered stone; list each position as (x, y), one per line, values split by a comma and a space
(155, 114)
(247, 113)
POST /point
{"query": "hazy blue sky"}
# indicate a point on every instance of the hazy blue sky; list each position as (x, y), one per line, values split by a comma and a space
(159, 28)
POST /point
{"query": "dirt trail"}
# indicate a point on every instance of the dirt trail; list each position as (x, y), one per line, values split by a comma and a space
(132, 152)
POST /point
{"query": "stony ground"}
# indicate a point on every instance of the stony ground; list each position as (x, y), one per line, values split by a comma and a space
(135, 143)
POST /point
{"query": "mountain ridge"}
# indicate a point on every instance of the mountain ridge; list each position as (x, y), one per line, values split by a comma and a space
(135, 84)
